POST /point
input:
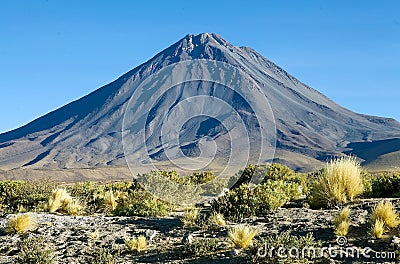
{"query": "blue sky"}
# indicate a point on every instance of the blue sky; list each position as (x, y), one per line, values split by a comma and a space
(53, 52)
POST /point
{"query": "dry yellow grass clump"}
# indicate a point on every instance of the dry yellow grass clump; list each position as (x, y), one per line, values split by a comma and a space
(217, 220)
(60, 200)
(110, 199)
(136, 244)
(384, 217)
(342, 223)
(378, 228)
(385, 212)
(340, 181)
(241, 236)
(21, 223)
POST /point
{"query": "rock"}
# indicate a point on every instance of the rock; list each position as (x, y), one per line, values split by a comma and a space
(187, 238)
(151, 234)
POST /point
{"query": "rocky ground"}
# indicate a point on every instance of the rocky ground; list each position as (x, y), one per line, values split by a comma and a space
(74, 238)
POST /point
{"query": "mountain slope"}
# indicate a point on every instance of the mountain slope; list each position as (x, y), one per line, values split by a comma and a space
(87, 133)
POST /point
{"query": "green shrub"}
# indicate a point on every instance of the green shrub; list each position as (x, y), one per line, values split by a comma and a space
(85, 192)
(263, 173)
(142, 203)
(202, 247)
(244, 202)
(367, 179)
(170, 191)
(30, 195)
(271, 244)
(242, 177)
(201, 177)
(102, 255)
(386, 185)
(33, 250)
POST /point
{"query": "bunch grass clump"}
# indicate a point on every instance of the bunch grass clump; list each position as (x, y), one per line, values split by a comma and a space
(62, 202)
(339, 182)
(217, 220)
(110, 199)
(385, 212)
(136, 244)
(20, 223)
(342, 223)
(378, 228)
(384, 217)
(241, 236)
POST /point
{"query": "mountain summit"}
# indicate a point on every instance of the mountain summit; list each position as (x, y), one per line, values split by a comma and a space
(87, 133)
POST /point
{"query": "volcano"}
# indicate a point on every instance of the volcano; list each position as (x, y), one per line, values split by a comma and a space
(85, 137)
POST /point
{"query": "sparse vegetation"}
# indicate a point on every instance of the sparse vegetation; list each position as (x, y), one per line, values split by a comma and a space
(20, 223)
(241, 236)
(340, 182)
(95, 235)
(341, 222)
(207, 226)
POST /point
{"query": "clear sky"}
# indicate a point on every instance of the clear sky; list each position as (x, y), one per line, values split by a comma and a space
(55, 51)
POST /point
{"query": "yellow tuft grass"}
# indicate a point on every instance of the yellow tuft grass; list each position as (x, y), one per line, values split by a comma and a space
(385, 212)
(110, 199)
(74, 207)
(94, 235)
(136, 244)
(21, 223)
(340, 182)
(59, 199)
(241, 236)
(378, 228)
(217, 219)
(341, 222)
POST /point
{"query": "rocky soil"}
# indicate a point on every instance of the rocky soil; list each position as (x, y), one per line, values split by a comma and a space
(74, 238)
